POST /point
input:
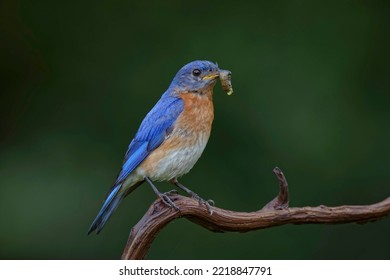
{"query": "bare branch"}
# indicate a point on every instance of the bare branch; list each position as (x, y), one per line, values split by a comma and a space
(275, 213)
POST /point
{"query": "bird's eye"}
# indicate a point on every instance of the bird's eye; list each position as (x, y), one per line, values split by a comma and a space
(196, 72)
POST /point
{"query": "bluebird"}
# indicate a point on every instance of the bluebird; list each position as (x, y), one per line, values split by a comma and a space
(170, 140)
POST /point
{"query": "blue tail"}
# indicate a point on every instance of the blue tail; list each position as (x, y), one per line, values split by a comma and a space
(109, 206)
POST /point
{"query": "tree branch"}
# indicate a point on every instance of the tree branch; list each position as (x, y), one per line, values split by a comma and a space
(275, 213)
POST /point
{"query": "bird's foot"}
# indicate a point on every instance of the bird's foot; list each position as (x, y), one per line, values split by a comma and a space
(163, 196)
(208, 203)
(167, 201)
(211, 202)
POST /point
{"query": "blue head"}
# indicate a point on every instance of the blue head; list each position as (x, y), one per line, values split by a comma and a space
(196, 76)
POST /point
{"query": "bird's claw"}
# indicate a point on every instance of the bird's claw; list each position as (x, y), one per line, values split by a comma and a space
(208, 203)
(211, 202)
(196, 197)
(209, 206)
(167, 201)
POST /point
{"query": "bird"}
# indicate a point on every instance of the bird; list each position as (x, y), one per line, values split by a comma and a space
(169, 141)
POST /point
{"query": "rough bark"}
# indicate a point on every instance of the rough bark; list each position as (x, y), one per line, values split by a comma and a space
(275, 213)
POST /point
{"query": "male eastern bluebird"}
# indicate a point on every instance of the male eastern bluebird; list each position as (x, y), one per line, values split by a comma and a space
(170, 139)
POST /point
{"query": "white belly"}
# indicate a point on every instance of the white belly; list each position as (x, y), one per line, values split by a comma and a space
(177, 161)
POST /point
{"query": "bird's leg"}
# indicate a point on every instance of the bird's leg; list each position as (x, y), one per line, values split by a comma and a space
(187, 190)
(207, 203)
(164, 196)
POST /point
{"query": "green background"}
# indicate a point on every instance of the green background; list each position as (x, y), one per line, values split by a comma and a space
(312, 96)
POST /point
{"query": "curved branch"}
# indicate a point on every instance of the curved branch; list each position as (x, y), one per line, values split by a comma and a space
(275, 213)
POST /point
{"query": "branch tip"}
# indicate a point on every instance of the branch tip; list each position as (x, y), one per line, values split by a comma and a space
(281, 201)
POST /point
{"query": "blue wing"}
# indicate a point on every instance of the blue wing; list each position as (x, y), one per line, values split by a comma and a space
(157, 124)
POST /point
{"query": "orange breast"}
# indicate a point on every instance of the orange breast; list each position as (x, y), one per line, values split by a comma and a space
(198, 113)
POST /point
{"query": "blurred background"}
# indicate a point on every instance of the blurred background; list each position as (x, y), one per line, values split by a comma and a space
(312, 96)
